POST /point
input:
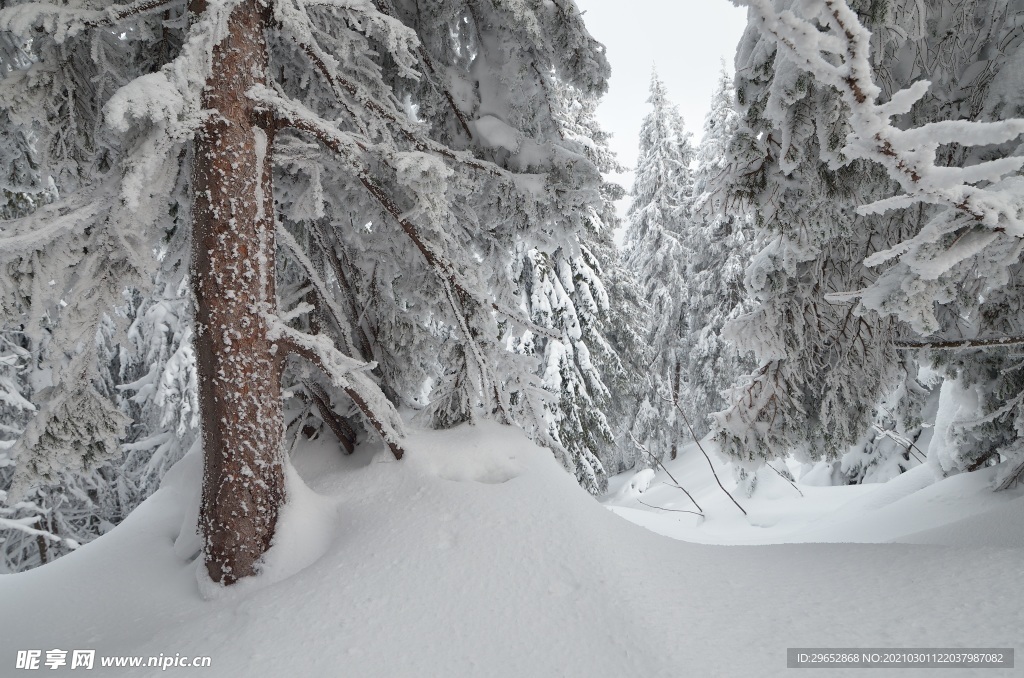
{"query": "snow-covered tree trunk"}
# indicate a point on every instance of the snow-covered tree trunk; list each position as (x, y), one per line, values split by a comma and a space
(233, 283)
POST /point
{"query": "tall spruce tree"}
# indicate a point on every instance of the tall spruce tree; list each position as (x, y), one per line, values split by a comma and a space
(656, 251)
(821, 366)
(934, 252)
(395, 156)
(722, 242)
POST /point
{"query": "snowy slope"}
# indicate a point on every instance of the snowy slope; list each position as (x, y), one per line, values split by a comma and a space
(478, 556)
(919, 506)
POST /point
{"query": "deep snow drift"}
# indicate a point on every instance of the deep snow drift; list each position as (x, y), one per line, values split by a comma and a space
(479, 556)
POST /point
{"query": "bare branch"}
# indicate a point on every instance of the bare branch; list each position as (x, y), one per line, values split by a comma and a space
(955, 344)
(701, 447)
(658, 508)
(667, 472)
(784, 478)
(341, 428)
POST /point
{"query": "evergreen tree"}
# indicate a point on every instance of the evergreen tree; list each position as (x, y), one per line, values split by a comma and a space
(656, 250)
(821, 366)
(396, 158)
(722, 241)
(938, 250)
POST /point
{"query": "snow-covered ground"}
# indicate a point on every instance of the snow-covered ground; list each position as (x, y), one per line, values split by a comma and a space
(918, 507)
(478, 556)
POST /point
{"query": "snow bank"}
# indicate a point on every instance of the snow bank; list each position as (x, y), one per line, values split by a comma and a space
(479, 556)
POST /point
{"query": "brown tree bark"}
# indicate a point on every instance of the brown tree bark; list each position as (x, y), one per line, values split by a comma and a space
(233, 283)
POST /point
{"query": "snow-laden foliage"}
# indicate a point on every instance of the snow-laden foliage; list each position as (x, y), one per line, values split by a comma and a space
(906, 88)
(722, 241)
(657, 252)
(419, 153)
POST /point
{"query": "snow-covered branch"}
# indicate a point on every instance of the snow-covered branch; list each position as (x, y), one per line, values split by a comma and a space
(347, 91)
(983, 220)
(347, 374)
(65, 21)
(350, 147)
(840, 57)
(319, 285)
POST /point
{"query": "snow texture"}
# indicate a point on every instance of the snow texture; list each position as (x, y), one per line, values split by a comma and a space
(481, 557)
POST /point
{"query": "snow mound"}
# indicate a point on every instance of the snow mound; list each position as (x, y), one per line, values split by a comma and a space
(430, 567)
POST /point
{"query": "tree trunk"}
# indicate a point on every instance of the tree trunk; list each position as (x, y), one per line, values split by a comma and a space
(233, 283)
(675, 403)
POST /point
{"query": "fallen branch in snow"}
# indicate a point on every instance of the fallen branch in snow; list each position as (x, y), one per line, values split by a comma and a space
(693, 435)
(667, 472)
(658, 508)
(784, 478)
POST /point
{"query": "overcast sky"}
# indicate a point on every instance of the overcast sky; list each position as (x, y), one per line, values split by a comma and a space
(685, 39)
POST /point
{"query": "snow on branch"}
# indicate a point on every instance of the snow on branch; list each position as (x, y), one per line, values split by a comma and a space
(25, 525)
(351, 148)
(828, 41)
(347, 374)
(319, 284)
(958, 344)
(345, 90)
(909, 155)
(66, 21)
(22, 236)
(387, 8)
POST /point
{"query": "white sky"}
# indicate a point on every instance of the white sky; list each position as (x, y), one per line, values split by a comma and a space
(685, 39)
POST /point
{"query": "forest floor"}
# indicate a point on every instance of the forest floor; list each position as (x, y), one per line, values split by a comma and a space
(479, 556)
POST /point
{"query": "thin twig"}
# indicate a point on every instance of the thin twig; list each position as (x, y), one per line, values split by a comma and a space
(669, 473)
(784, 478)
(900, 440)
(701, 448)
(658, 508)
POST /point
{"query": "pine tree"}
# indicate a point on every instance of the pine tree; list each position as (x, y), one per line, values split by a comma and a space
(396, 158)
(658, 254)
(722, 242)
(942, 246)
(821, 366)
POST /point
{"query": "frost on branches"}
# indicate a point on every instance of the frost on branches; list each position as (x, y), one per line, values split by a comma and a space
(913, 108)
(354, 186)
(657, 252)
(722, 242)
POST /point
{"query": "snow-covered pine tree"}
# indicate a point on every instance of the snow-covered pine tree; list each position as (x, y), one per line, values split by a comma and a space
(821, 366)
(419, 146)
(722, 242)
(593, 367)
(971, 53)
(656, 251)
(616, 343)
(961, 214)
